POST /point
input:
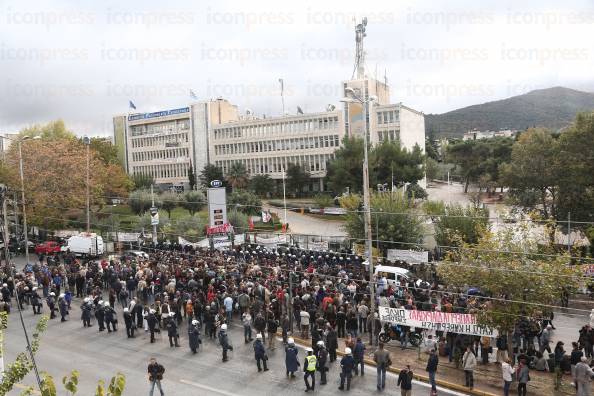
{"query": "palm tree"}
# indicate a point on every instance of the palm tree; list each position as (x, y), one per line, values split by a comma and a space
(237, 176)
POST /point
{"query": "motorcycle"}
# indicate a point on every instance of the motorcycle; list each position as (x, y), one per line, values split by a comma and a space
(389, 333)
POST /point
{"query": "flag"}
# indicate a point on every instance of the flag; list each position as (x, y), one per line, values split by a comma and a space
(193, 95)
(284, 228)
(251, 223)
(282, 83)
(131, 105)
(266, 217)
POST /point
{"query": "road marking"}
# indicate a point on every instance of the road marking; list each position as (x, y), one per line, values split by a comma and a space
(206, 387)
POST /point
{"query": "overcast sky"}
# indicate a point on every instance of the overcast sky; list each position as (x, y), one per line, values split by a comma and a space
(83, 61)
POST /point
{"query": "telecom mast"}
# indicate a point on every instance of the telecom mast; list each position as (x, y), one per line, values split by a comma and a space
(359, 50)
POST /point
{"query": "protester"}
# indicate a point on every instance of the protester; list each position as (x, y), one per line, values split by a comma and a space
(507, 373)
(381, 357)
(432, 364)
(405, 381)
(469, 364)
(155, 373)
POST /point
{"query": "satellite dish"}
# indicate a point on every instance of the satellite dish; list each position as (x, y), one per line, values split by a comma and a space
(330, 107)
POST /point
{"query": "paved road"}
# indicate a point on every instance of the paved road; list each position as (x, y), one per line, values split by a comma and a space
(66, 346)
(303, 224)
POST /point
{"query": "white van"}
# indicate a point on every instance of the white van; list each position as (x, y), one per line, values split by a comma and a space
(393, 274)
(86, 244)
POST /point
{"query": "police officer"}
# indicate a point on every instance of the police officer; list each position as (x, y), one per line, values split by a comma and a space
(309, 368)
(194, 335)
(110, 317)
(172, 330)
(100, 315)
(36, 302)
(129, 322)
(322, 357)
(51, 304)
(347, 364)
(224, 341)
(152, 322)
(86, 312)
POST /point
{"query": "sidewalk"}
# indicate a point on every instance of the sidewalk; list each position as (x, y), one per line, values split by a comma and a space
(487, 379)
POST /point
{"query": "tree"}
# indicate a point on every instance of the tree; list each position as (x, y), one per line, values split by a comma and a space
(507, 268)
(140, 201)
(468, 156)
(389, 161)
(142, 181)
(191, 177)
(261, 184)
(106, 151)
(431, 168)
(346, 169)
(393, 219)
(193, 201)
(245, 202)
(55, 179)
(237, 176)
(532, 171)
(297, 177)
(54, 130)
(188, 227)
(456, 224)
(431, 148)
(323, 201)
(210, 173)
(169, 201)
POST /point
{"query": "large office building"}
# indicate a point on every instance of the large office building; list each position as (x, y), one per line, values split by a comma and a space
(164, 144)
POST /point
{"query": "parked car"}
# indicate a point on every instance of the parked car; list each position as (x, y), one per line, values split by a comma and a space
(49, 247)
(136, 253)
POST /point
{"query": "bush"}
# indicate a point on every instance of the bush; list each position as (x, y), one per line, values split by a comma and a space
(139, 201)
(193, 201)
(323, 201)
(416, 191)
(191, 228)
(239, 220)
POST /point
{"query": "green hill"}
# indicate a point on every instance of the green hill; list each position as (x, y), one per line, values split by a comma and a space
(553, 108)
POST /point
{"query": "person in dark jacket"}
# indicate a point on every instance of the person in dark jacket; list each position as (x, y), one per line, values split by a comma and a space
(405, 381)
(359, 355)
(260, 326)
(224, 341)
(152, 322)
(432, 369)
(559, 354)
(63, 306)
(172, 330)
(100, 315)
(36, 302)
(137, 313)
(85, 309)
(260, 353)
(347, 365)
(194, 335)
(51, 304)
(129, 322)
(340, 323)
(110, 317)
(322, 362)
(272, 327)
(155, 373)
(291, 360)
(331, 343)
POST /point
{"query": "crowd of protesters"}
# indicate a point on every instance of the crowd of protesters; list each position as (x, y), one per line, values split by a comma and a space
(322, 296)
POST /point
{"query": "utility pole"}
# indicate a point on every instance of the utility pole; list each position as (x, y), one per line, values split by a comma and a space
(569, 232)
(154, 217)
(284, 197)
(290, 310)
(87, 142)
(15, 204)
(22, 174)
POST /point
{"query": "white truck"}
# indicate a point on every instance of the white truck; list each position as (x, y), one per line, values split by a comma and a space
(85, 244)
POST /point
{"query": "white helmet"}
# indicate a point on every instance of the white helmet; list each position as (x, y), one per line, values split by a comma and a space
(320, 343)
(152, 311)
(291, 341)
(87, 299)
(308, 350)
(5, 285)
(125, 309)
(52, 294)
(106, 304)
(100, 302)
(258, 336)
(35, 288)
(194, 322)
(223, 326)
(62, 295)
(171, 314)
(347, 351)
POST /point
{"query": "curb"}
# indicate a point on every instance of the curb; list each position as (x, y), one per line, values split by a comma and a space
(418, 377)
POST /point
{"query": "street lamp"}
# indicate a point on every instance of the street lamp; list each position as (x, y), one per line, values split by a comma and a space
(22, 176)
(352, 97)
(87, 142)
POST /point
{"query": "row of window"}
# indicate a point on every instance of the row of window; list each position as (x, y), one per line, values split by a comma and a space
(311, 163)
(391, 135)
(278, 145)
(160, 127)
(387, 117)
(245, 131)
(162, 171)
(160, 154)
(176, 138)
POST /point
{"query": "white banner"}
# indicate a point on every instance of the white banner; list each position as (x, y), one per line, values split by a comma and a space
(438, 321)
(318, 246)
(409, 256)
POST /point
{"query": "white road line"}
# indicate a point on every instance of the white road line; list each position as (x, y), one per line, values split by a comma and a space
(208, 388)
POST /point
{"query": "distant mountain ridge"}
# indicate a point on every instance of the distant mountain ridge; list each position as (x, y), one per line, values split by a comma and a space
(552, 108)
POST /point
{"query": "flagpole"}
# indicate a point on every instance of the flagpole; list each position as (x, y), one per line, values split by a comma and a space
(282, 84)
(284, 196)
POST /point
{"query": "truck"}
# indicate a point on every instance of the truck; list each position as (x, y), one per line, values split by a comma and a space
(87, 244)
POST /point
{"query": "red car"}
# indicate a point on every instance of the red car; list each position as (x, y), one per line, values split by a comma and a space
(49, 247)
